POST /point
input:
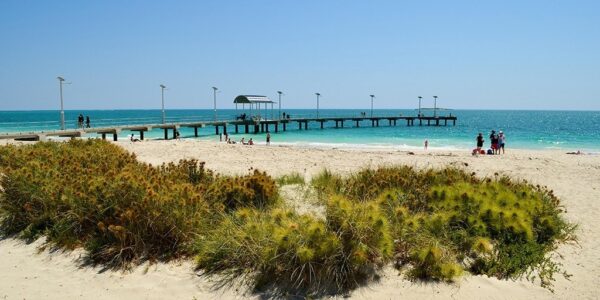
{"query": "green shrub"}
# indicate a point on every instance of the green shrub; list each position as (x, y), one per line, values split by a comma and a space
(496, 227)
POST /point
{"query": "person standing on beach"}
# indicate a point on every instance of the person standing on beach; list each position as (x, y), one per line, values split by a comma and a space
(426, 144)
(494, 141)
(480, 141)
(268, 139)
(501, 141)
(87, 121)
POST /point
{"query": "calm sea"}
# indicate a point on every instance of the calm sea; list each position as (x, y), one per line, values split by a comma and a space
(524, 129)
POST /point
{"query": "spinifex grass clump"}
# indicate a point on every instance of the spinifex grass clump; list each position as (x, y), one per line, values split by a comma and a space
(292, 178)
(96, 195)
(446, 222)
(286, 251)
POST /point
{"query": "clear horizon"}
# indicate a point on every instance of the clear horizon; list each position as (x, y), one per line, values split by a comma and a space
(537, 55)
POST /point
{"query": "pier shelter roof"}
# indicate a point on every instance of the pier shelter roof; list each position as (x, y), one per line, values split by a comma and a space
(252, 99)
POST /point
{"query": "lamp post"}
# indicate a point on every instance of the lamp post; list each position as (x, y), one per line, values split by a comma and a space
(420, 105)
(61, 81)
(162, 97)
(280, 93)
(372, 96)
(318, 95)
(215, 102)
(435, 106)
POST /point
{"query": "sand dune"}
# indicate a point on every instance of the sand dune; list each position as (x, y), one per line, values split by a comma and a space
(575, 179)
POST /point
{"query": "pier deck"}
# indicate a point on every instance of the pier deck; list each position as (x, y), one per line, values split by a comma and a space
(248, 126)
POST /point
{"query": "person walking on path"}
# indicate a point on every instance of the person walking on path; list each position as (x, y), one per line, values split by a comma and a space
(80, 121)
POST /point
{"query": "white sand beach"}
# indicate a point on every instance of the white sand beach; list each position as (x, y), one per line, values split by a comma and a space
(575, 179)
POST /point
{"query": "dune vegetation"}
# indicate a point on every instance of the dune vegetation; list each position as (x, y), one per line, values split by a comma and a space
(430, 224)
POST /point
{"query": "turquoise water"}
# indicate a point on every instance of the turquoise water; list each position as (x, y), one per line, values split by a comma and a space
(524, 129)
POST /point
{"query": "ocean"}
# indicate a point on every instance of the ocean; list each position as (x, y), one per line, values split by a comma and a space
(568, 130)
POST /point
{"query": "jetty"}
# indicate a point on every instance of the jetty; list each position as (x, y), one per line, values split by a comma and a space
(238, 126)
(255, 121)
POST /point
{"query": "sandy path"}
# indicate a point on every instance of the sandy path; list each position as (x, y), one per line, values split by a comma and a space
(575, 179)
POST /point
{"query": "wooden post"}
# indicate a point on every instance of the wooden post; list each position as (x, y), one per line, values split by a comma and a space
(196, 131)
(437, 122)
(115, 137)
(445, 122)
(305, 125)
(217, 129)
(246, 127)
(377, 122)
(284, 126)
(321, 124)
(166, 133)
(256, 129)
(299, 125)
(454, 122)
(372, 123)
(276, 127)
(342, 123)
(336, 123)
(141, 135)
(420, 122)
(104, 136)
(225, 128)
(357, 124)
(428, 122)
(174, 132)
(236, 128)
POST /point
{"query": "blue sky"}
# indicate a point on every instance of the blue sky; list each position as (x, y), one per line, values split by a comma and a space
(472, 54)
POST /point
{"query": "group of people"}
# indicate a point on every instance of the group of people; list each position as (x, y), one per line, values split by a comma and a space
(497, 143)
(250, 142)
(81, 120)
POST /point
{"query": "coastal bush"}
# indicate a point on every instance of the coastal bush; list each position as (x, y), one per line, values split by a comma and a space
(445, 222)
(96, 195)
(278, 247)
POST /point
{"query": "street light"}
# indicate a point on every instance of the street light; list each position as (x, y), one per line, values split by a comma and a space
(372, 96)
(435, 106)
(215, 101)
(318, 95)
(420, 105)
(61, 81)
(162, 97)
(280, 93)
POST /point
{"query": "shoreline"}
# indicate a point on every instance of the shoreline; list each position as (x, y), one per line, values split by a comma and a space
(574, 179)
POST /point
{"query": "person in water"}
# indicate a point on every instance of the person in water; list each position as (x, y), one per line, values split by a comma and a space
(250, 142)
